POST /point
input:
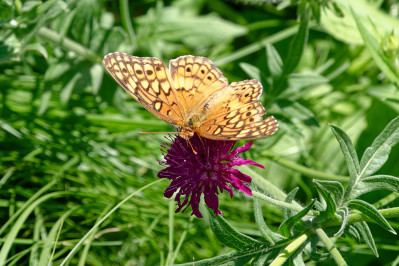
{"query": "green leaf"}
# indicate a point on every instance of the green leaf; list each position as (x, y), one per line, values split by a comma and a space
(380, 58)
(66, 92)
(232, 258)
(297, 82)
(287, 225)
(377, 182)
(194, 31)
(96, 74)
(377, 154)
(334, 187)
(251, 71)
(297, 45)
(314, 252)
(339, 22)
(274, 61)
(296, 112)
(290, 197)
(352, 162)
(331, 206)
(268, 234)
(228, 236)
(19, 223)
(354, 233)
(45, 98)
(316, 10)
(6, 127)
(37, 47)
(371, 212)
(364, 230)
(344, 213)
(50, 241)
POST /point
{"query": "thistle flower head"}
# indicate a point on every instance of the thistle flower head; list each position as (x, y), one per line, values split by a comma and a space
(208, 171)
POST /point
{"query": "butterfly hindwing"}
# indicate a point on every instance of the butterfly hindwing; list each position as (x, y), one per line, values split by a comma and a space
(238, 122)
(148, 81)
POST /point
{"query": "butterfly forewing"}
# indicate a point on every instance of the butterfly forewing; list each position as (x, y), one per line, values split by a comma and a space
(148, 81)
(195, 79)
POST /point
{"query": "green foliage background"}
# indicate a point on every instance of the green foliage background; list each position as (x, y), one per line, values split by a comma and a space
(70, 147)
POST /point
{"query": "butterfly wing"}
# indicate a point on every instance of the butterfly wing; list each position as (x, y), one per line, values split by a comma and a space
(195, 79)
(148, 81)
(237, 114)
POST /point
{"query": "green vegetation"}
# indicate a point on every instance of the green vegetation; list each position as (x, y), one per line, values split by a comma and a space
(78, 183)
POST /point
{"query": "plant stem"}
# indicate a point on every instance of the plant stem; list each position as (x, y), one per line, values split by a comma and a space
(252, 48)
(330, 246)
(385, 201)
(304, 170)
(281, 204)
(289, 250)
(358, 217)
(169, 259)
(264, 184)
(68, 44)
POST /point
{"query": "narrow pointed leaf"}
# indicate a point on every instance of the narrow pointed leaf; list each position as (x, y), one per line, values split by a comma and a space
(314, 251)
(352, 161)
(377, 182)
(364, 230)
(287, 225)
(331, 206)
(377, 154)
(274, 62)
(354, 233)
(344, 213)
(290, 197)
(334, 187)
(230, 237)
(370, 211)
(268, 234)
(377, 53)
(298, 44)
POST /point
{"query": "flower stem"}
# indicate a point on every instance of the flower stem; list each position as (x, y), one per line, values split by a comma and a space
(289, 250)
(267, 186)
(330, 246)
(264, 184)
(169, 259)
(304, 170)
(68, 44)
(386, 200)
(358, 217)
(280, 204)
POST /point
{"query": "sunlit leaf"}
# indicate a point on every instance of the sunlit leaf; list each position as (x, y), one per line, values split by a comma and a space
(370, 211)
(377, 154)
(352, 161)
(286, 227)
(230, 237)
(364, 230)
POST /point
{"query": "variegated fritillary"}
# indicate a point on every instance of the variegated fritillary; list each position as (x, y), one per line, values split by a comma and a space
(193, 95)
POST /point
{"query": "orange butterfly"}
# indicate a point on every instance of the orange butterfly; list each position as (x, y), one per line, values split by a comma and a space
(194, 95)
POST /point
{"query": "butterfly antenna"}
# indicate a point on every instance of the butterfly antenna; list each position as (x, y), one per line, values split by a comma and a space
(147, 133)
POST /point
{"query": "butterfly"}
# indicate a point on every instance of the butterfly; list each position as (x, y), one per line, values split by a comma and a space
(194, 95)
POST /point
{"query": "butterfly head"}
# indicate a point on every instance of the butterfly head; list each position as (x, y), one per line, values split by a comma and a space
(186, 133)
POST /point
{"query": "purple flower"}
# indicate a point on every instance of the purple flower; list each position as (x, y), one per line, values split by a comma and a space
(207, 171)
